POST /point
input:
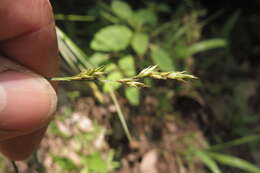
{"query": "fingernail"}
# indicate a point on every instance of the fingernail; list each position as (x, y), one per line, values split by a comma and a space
(27, 101)
(5, 134)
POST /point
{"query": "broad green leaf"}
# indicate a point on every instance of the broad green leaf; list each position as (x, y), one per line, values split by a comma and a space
(208, 161)
(122, 9)
(111, 67)
(133, 95)
(65, 163)
(127, 65)
(110, 85)
(183, 51)
(145, 16)
(112, 38)
(234, 162)
(95, 163)
(98, 59)
(162, 59)
(140, 43)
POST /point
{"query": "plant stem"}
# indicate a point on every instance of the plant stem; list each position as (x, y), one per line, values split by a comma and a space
(121, 116)
(16, 170)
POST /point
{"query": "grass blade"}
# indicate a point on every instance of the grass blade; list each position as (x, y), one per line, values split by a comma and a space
(234, 162)
(208, 161)
(74, 18)
(236, 142)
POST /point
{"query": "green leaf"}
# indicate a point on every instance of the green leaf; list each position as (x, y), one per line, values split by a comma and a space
(133, 95)
(110, 85)
(95, 163)
(122, 9)
(127, 65)
(208, 161)
(145, 16)
(112, 38)
(183, 51)
(162, 59)
(140, 43)
(65, 163)
(111, 67)
(234, 162)
(98, 59)
(236, 142)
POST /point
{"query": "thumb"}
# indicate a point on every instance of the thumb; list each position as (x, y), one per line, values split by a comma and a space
(27, 100)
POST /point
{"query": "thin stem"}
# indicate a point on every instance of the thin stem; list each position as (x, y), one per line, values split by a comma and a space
(121, 115)
(16, 170)
(97, 74)
(37, 164)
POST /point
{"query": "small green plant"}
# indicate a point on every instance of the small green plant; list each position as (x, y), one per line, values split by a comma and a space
(133, 39)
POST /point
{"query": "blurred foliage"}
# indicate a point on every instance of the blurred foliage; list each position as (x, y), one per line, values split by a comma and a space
(129, 35)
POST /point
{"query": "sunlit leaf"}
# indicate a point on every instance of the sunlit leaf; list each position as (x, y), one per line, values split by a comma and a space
(184, 51)
(162, 59)
(140, 43)
(110, 85)
(122, 9)
(98, 59)
(111, 67)
(112, 38)
(127, 65)
(133, 95)
(145, 16)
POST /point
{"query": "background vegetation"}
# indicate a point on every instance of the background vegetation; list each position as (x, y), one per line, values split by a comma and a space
(205, 125)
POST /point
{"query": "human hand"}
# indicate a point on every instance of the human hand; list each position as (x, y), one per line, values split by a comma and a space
(27, 100)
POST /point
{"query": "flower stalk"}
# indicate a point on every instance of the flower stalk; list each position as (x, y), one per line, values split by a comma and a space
(98, 74)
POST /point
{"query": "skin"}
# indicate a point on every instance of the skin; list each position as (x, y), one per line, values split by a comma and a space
(27, 37)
